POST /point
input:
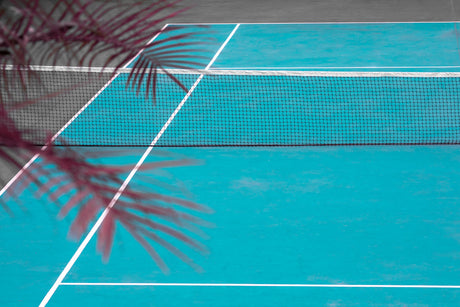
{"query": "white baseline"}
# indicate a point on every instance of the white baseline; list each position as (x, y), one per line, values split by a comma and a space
(153, 284)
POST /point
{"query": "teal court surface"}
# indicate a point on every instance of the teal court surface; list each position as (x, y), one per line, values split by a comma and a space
(368, 218)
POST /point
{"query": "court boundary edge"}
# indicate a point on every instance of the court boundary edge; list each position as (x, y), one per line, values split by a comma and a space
(156, 284)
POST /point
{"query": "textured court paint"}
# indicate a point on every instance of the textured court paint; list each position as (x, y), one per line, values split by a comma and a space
(31, 253)
(206, 38)
(34, 245)
(343, 45)
(195, 296)
(353, 215)
(326, 215)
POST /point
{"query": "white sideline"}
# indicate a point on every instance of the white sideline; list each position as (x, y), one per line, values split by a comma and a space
(159, 284)
(32, 160)
(127, 180)
(313, 22)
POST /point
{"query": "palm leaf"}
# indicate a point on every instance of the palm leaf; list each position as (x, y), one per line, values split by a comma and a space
(69, 32)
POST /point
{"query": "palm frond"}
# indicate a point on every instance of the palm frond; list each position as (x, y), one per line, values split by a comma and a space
(77, 32)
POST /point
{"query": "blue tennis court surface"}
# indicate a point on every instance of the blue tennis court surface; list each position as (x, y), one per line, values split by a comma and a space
(297, 226)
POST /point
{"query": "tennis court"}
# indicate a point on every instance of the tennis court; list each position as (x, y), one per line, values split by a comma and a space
(329, 157)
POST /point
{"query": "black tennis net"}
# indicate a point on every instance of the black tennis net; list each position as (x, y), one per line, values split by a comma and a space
(239, 108)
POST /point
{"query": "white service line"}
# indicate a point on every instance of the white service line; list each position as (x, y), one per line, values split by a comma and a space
(55, 136)
(156, 284)
(120, 191)
(313, 22)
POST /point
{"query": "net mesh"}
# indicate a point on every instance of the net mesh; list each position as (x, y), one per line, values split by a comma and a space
(243, 108)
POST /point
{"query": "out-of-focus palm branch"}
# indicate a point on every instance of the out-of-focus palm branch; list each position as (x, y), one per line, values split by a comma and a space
(88, 33)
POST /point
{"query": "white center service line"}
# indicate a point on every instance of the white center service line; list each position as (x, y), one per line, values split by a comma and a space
(120, 191)
(257, 285)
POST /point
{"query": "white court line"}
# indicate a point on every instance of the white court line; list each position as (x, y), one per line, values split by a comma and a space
(120, 191)
(155, 284)
(311, 22)
(55, 136)
(271, 71)
(98, 69)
